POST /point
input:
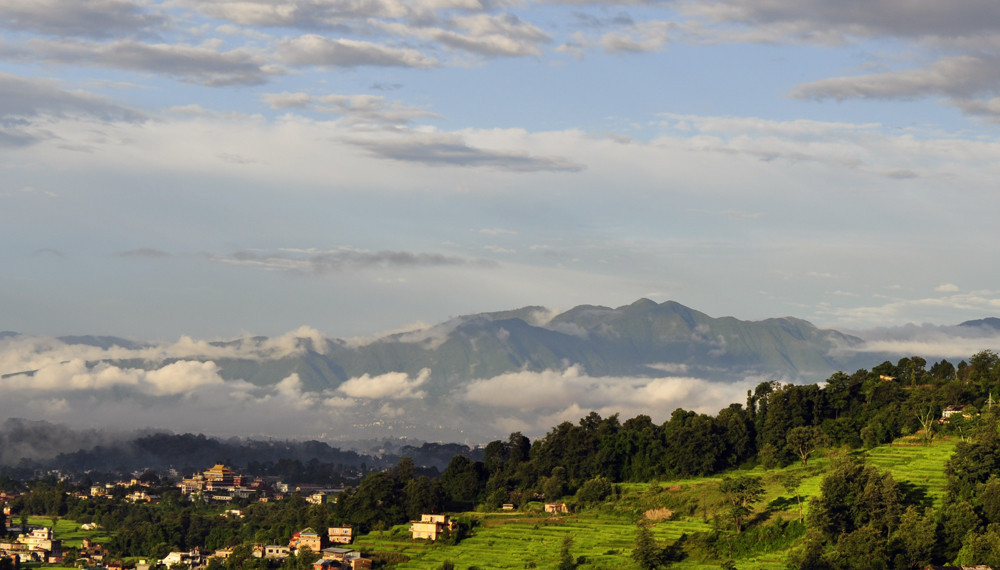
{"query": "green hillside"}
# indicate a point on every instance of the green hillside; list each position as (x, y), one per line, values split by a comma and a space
(603, 536)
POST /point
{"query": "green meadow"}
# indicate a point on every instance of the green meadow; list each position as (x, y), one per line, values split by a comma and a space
(603, 535)
(69, 531)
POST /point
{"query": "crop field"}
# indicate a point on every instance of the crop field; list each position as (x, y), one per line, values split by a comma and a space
(69, 531)
(918, 465)
(603, 536)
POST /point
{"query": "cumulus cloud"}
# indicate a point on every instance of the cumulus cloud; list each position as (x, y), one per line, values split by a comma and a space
(989, 109)
(23, 353)
(172, 379)
(326, 14)
(556, 391)
(22, 97)
(958, 76)
(26, 106)
(358, 110)
(432, 337)
(321, 51)
(899, 18)
(183, 396)
(492, 35)
(639, 37)
(203, 65)
(393, 385)
(93, 18)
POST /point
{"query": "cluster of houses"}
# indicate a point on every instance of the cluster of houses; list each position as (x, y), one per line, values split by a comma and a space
(36, 545)
(222, 484)
(331, 557)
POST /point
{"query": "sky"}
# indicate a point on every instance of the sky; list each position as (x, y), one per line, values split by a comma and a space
(218, 168)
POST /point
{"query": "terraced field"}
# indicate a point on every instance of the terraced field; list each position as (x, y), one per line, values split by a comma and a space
(916, 464)
(516, 540)
(604, 536)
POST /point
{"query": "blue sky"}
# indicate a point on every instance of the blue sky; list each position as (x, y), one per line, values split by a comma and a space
(224, 167)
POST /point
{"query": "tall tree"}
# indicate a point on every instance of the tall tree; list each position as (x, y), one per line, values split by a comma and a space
(741, 493)
(566, 560)
(804, 440)
(645, 550)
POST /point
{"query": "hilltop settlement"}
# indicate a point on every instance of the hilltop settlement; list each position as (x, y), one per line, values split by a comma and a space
(894, 467)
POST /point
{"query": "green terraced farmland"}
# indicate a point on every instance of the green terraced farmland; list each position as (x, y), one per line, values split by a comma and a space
(604, 536)
(515, 540)
(922, 466)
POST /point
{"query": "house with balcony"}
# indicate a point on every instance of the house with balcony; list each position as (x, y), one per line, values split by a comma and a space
(431, 527)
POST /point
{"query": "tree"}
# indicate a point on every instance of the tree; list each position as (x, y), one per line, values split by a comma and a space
(645, 550)
(741, 494)
(554, 487)
(566, 560)
(464, 480)
(958, 518)
(989, 499)
(862, 548)
(927, 417)
(854, 495)
(804, 440)
(790, 482)
(942, 372)
(980, 548)
(914, 539)
(594, 490)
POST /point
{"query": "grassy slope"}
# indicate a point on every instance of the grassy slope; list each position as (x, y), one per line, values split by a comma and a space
(69, 532)
(604, 535)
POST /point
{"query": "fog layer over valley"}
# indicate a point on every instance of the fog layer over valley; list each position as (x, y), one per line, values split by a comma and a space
(471, 379)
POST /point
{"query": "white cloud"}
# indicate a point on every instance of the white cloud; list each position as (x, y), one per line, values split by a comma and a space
(976, 304)
(482, 34)
(958, 76)
(669, 367)
(203, 64)
(640, 37)
(561, 394)
(24, 353)
(93, 18)
(357, 110)
(312, 49)
(392, 385)
(947, 288)
(177, 378)
(184, 377)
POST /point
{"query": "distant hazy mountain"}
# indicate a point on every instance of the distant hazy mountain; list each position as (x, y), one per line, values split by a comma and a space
(992, 323)
(467, 379)
(641, 339)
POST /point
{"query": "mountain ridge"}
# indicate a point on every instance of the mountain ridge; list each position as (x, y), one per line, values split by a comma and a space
(478, 375)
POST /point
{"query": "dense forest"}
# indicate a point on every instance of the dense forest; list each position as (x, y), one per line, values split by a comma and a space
(861, 514)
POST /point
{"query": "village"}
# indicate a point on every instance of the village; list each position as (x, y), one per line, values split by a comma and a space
(219, 485)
